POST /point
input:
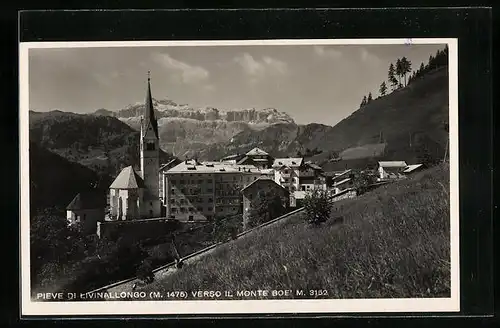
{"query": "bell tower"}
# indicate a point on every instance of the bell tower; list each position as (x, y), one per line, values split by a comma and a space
(150, 157)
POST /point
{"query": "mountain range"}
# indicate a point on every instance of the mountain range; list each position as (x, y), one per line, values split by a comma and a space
(184, 130)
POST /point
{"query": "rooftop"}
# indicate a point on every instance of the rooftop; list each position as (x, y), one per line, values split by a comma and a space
(212, 167)
(260, 180)
(412, 167)
(256, 151)
(89, 199)
(289, 161)
(169, 164)
(128, 179)
(341, 182)
(392, 164)
(314, 166)
(342, 174)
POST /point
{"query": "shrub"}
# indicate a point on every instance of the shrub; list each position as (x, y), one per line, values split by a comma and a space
(361, 181)
(317, 206)
(145, 270)
(226, 227)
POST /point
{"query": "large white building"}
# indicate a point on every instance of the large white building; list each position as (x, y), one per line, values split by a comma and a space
(135, 195)
(200, 191)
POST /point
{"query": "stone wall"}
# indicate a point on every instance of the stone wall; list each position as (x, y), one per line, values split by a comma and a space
(137, 229)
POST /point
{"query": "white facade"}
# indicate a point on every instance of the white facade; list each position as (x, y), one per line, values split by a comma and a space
(136, 195)
(391, 170)
(85, 218)
(295, 175)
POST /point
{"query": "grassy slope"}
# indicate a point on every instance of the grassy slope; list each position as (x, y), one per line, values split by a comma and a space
(394, 242)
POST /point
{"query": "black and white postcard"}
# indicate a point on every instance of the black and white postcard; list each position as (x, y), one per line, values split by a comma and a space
(239, 177)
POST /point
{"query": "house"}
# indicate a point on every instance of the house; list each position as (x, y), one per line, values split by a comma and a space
(295, 174)
(86, 209)
(164, 168)
(136, 194)
(391, 170)
(257, 157)
(342, 180)
(256, 191)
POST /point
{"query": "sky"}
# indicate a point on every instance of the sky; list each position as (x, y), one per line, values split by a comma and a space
(312, 83)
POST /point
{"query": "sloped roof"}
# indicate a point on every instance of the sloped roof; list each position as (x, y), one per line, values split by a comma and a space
(149, 112)
(341, 182)
(314, 166)
(343, 174)
(260, 180)
(243, 160)
(89, 199)
(171, 163)
(256, 151)
(392, 164)
(289, 161)
(412, 167)
(128, 179)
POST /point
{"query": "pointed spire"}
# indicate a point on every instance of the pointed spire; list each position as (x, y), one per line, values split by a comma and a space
(149, 112)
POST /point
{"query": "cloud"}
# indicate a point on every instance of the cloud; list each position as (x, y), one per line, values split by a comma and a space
(186, 73)
(257, 69)
(323, 51)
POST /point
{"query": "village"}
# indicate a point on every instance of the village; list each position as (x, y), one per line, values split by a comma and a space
(191, 191)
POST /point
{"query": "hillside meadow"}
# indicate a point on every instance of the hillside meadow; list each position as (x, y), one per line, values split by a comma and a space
(393, 242)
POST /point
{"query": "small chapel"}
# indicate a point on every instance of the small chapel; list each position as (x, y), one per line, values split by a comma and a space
(135, 194)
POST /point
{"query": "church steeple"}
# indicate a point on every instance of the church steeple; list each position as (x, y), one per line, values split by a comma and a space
(149, 112)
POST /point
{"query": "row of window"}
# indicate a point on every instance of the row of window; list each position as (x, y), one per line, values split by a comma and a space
(191, 217)
(188, 209)
(183, 201)
(192, 191)
(183, 182)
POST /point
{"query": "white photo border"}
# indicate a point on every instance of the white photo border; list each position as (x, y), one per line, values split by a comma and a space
(222, 307)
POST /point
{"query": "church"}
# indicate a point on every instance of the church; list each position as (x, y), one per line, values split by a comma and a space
(135, 194)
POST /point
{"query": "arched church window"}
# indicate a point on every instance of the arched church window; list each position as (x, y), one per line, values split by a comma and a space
(150, 146)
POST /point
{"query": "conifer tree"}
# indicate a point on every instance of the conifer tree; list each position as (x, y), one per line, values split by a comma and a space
(383, 89)
(405, 68)
(370, 98)
(399, 71)
(391, 77)
(363, 102)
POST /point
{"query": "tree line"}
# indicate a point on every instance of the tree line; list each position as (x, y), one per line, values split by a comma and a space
(400, 74)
